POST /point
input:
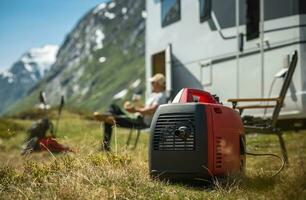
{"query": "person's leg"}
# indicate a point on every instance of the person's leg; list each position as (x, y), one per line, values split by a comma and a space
(127, 122)
(121, 121)
(107, 136)
(115, 110)
(108, 119)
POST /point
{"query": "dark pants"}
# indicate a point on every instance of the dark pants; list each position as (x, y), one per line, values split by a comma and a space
(122, 120)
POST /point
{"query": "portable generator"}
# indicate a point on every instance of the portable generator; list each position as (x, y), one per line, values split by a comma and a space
(195, 136)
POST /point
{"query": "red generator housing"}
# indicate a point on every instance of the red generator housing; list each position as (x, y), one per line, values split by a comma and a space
(195, 137)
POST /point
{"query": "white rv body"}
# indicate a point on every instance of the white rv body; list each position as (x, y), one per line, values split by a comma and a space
(209, 58)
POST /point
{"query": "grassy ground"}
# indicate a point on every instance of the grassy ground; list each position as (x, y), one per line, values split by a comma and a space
(90, 174)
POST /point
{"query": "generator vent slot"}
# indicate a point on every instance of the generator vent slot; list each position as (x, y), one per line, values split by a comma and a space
(219, 152)
(174, 132)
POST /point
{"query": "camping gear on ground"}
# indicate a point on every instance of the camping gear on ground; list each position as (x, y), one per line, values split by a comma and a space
(40, 128)
(50, 144)
(44, 144)
(38, 139)
(196, 137)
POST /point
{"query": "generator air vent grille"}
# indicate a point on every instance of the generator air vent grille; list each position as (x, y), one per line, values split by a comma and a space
(218, 152)
(174, 132)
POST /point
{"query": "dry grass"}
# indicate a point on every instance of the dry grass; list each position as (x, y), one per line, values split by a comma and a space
(8, 128)
(90, 174)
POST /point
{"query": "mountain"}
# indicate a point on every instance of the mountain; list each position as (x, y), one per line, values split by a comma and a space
(101, 59)
(25, 73)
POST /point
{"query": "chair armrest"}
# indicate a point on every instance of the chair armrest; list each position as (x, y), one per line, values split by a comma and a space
(254, 107)
(235, 101)
(253, 99)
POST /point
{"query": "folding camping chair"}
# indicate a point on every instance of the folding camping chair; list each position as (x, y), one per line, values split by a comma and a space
(269, 125)
(138, 131)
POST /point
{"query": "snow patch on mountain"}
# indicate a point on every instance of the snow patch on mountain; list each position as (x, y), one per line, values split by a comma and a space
(42, 57)
(76, 88)
(120, 94)
(85, 91)
(8, 76)
(99, 39)
(124, 10)
(144, 14)
(111, 5)
(109, 15)
(102, 59)
(136, 83)
(28, 67)
(99, 7)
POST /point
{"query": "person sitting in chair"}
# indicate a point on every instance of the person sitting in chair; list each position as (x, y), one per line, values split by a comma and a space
(144, 113)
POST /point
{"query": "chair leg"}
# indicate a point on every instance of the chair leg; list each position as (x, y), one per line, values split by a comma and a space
(137, 138)
(283, 147)
(240, 111)
(129, 138)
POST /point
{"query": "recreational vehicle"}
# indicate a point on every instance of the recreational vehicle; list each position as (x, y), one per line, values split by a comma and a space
(232, 48)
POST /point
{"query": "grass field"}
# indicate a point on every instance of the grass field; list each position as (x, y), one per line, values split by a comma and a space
(90, 174)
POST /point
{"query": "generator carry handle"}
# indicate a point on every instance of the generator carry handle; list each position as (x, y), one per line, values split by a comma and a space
(193, 95)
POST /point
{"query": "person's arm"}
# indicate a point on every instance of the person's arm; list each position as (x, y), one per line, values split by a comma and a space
(128, 106)
(148, 110)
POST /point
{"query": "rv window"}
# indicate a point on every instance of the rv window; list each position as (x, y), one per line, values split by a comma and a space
(252, 19)
(171, 11)
(205, 8)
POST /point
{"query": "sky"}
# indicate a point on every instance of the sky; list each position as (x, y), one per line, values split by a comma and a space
(25, 24)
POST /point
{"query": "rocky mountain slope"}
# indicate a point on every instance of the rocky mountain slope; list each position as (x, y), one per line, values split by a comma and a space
(99, 59)
(25, 73)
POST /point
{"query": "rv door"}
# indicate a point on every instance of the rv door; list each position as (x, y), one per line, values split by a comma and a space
(162, 63)
(168, 64)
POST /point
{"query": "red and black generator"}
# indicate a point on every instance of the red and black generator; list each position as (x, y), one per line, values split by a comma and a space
(195, 137)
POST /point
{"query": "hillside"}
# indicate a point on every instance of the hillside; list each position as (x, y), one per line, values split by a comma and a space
(100, 57)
